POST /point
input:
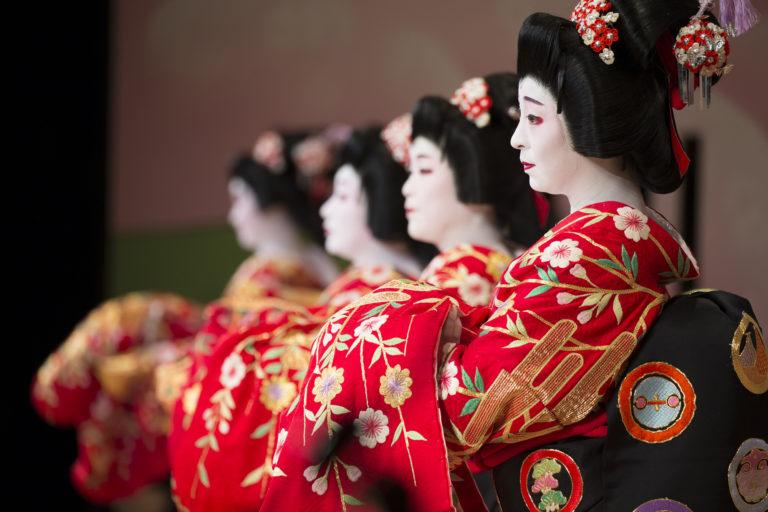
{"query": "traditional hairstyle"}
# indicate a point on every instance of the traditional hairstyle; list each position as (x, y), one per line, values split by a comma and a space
(278, 183)
(475, 137)
(382, 180)
(617, 110)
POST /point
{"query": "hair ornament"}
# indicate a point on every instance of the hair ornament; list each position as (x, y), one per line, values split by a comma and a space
(474, 102)
(268, 150)
(397, 136)
(701, 49)
(594, 21)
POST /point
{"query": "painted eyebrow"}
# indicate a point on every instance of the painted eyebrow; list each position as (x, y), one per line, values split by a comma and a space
(535, 102)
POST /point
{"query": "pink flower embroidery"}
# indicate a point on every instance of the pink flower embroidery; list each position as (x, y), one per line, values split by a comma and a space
(633, 223)
(371, 427)
(449, 384)
(562, 253)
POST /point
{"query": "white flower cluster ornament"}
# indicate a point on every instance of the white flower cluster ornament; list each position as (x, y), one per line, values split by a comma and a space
(701, 50)
(397, 136)
(474, 102)
(594, 21)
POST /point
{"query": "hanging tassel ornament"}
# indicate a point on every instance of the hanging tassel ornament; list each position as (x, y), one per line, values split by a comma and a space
(738, 16)
(701, 50)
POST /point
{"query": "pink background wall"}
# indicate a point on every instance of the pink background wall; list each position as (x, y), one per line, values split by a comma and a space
(196, 80)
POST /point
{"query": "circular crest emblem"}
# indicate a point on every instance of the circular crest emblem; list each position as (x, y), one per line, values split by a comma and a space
(656, 402)
(662, 505)
(748, 476)
(550, 480)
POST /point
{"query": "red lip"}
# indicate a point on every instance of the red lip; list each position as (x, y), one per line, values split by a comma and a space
(527, 166)
(408, 211)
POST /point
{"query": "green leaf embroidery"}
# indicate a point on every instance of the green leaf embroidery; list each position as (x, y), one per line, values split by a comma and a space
(376, 356)
(467, 380)
(617, 310)
(214, 444)
(396, 436)
(479, 384)
(393, 351)
(542, 274)
(625, 257)
(203, 441)
(375, 311)
(521, 327)
(273, 368)
(309, 415)
(608, 263)
(203, 474)
(345, 337)
(415, 436)
(263, 429)
(634, 266)
(552, 275)
(252, 477)
(351, 500)
(273, 353)
(470, 406)
(395, 305)
(393, 341)
(538, 290)
(338, 409)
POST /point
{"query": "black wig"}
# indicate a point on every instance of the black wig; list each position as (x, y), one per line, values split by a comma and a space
(282, 188)
(618, 110)
(486, 167)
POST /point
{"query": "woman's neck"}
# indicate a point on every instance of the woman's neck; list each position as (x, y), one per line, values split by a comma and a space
(379, 253)
(603, 180)
(477, 229)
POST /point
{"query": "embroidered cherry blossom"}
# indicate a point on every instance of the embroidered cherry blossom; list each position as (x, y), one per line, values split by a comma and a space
(579, 271)
(449, 384)
(353, 472)
(320, 485)
(328, 384)
(562, 253)
(475, 290)
(310, 474)
(371, 427)
(594, 23)
(232, 371)
(565, 298)
(584, 316)
(369, 326)
(395, 386)
(281, 437)
(633, 223)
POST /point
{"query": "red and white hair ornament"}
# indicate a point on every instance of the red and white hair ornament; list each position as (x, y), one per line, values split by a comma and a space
(474, 102)
(594, 21)
(397, 136)
(701, 49)
(313, 156)
(268, 151)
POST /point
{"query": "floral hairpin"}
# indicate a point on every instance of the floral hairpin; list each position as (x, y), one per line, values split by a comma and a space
(313, 156)
(474, 102)
(594, 22)
(397, 136)
(268, 150)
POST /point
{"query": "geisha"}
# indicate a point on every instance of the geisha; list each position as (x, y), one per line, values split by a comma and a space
(594, 126)
(223, 433)
(100, 379)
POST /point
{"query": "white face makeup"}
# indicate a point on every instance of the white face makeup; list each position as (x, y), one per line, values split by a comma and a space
(432, 205)
(549, 160)
(345, 215)
(245, 216)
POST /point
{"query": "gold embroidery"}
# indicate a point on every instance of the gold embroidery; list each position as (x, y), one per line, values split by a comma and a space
(749, 355)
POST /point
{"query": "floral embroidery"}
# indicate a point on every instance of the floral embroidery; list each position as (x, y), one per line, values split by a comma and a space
(475, 290)
(371, 427)
(277, 393)
(449, 384)
(396, 386)
(633, 223)
(562, 253)
(328, 385)
(366, 328)
(546, 484)
(232, 371)
(281, 437)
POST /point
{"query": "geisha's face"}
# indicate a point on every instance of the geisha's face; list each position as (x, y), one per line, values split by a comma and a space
(245, 216)
(552, 165)
(432, 205)
(345, 215)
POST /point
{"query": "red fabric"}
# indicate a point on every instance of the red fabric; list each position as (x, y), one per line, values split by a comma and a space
(532, 369)
(121, 446)
(224, 429)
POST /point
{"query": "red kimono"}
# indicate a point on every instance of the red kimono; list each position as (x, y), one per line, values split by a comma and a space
(121, 443)
(223, 448)
(420, 399)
